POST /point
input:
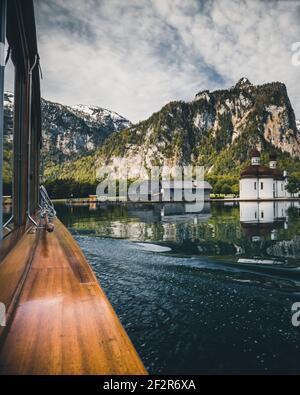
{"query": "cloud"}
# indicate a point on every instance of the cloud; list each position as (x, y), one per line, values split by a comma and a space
(135, 56)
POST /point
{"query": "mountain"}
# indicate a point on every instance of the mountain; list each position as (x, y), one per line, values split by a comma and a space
(217, 130)
(69, 131)
(73, 131)
(8, 142)
(8, 116)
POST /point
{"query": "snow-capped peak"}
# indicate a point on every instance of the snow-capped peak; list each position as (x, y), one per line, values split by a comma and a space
(89, 110)
(100, 114)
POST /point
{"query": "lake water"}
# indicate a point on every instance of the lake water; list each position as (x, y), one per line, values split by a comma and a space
(199, 293)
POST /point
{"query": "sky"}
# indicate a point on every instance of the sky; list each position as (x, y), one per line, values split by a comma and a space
(134, 56)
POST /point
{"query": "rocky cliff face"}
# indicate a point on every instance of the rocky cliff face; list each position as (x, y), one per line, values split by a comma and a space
(217, 129)
(69, 131)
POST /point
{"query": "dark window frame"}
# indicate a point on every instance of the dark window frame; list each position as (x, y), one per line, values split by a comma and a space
(21, 38)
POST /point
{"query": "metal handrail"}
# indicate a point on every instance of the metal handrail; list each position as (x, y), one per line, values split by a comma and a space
(5, 226)
(47, 210)
(46, 203)
(29, 141)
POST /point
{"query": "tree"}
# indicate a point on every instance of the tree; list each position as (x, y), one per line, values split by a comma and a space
(293, 185)
(235, 189)
(226, 188)
(218, 186)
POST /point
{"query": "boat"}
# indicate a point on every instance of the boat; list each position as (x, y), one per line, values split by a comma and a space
(58, 319)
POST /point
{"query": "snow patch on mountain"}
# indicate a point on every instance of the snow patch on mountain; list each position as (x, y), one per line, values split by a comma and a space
(99, 114)
(69, 130)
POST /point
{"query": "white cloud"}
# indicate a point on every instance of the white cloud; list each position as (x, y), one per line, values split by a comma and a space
(135, 56)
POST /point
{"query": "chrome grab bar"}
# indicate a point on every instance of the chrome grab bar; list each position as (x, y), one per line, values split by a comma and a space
(47, 210)
(29, 141)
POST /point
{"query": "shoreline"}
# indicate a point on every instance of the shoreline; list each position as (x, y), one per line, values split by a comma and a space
(123, 202)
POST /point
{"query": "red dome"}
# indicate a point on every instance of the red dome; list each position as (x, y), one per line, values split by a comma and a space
(277, 174)
(257, 172)
(255, 153)
(261, 172)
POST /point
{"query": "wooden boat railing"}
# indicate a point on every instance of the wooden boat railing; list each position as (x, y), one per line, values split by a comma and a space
(59, 320)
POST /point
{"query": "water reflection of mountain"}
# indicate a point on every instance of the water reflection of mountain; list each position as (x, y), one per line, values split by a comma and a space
(251, 229)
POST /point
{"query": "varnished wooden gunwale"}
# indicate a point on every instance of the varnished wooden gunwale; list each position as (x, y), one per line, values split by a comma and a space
(62, 322)
(15, 253)
(10, 240)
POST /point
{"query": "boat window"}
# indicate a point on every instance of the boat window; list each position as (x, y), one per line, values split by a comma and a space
(255, 185)
(261, 185)
(8, 154)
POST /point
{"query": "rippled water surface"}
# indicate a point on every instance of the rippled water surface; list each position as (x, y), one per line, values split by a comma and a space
(207, 292)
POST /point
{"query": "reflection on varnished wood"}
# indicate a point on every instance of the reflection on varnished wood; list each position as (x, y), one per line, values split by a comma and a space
(62, 322)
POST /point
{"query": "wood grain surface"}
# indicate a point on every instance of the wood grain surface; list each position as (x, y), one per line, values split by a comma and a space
(60, 320)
